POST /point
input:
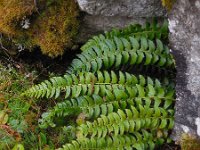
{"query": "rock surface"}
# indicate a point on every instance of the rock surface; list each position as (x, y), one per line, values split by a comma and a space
(93, 25)
(184, 25)
(128, 8)
(102, 15)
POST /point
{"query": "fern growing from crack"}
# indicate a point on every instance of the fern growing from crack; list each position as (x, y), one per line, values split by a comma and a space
(114, 107)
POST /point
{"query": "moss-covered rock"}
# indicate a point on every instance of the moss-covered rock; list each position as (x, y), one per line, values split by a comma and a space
(49, 24)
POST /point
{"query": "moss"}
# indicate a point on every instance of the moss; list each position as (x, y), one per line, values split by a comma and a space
(168, 4)
(56, 27)
(189, 142)
(53, 24)
(12, 13)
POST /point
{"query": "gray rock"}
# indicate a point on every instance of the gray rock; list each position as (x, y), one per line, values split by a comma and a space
(128, 8)
(93, 25)
(184, 25)
(102, 15)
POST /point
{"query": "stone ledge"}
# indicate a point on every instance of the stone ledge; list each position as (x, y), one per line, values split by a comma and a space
(128, 8)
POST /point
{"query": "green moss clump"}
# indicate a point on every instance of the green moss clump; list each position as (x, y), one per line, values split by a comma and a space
(51, 24)
(12, 13)
(56, 27)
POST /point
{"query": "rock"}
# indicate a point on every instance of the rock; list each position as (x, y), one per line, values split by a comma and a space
(93, 25)
(184, 25)
(127, 8)
(102, 15)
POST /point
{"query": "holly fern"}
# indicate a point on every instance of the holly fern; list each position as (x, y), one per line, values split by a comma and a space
(120, 91)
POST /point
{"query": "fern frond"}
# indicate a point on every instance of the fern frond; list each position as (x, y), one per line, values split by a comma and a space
(128, 121)
(116, 60)
(122, 44)
(94, 106)
(142, 89)
(87, 83)
(150, 31)
(142, 47)
(137, 140)
(114, 97)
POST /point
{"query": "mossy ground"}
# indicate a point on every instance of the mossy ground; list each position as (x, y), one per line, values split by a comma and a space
(18, 112)
(19, 115)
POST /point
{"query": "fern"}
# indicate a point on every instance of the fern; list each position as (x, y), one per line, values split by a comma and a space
(127, 121)
(150, 31)
(115, 109)
(131, 52)
(95, 106)
(87, 83)
(130, 42)
(118, 124)
(137, 140)
(117, 60)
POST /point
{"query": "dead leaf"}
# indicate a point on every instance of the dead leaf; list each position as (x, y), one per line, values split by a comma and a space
(11, 132)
